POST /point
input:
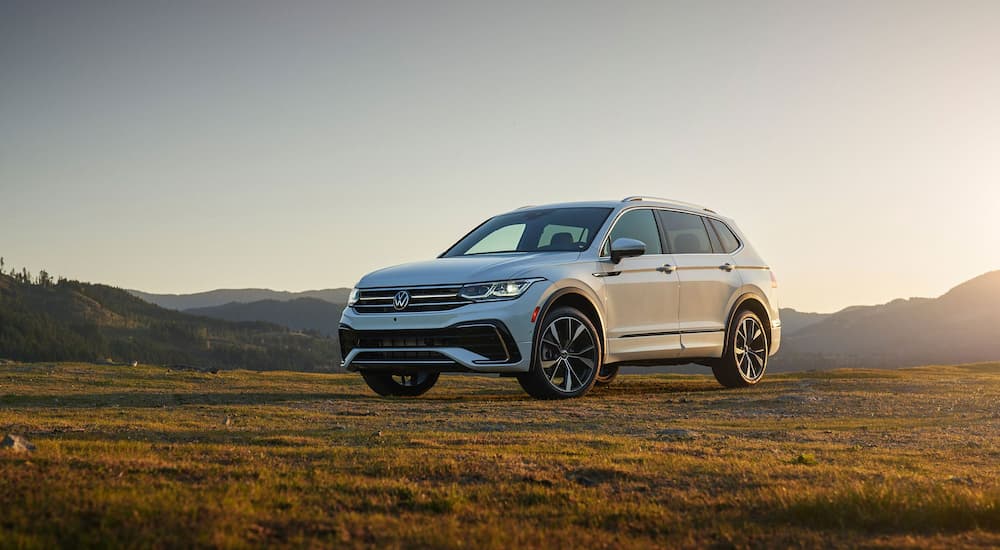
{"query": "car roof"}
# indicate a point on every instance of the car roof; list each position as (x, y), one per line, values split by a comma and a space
(628, 202)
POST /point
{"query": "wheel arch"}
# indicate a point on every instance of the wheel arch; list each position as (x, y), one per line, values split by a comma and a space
(755, 303)
(573, 297)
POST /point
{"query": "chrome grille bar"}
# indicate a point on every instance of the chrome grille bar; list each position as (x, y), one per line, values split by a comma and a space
(422, 299)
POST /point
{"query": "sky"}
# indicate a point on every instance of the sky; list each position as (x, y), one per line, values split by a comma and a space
(185, 146)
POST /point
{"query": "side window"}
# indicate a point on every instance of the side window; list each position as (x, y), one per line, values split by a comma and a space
(639, 225)
(504, 239)
(729, 241)
(686, 233)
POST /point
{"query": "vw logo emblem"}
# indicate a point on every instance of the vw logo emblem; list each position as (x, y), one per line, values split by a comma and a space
(401, 300)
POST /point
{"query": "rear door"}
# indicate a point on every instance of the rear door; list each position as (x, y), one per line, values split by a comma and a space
(708, 279)
(641, 295)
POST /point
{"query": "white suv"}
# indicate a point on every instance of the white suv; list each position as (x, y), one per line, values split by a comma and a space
(561, 296)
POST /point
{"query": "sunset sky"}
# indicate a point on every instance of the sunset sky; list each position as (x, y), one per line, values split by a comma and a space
(186, 146)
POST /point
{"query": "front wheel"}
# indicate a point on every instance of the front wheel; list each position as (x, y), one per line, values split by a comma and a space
(404, 385)
(606, 375)
(745, 359)
(566, 358)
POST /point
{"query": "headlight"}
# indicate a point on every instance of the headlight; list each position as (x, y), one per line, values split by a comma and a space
(353, 299)
(497, 290)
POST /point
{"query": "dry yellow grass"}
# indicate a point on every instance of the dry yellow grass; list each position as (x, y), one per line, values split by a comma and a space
(147, 457)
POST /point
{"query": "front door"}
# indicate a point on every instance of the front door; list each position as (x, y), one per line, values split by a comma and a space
(641, 294)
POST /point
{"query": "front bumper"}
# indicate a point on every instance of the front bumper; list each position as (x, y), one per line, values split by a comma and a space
(488, 337)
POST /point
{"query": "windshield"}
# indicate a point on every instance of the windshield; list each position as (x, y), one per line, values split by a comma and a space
(553, 230)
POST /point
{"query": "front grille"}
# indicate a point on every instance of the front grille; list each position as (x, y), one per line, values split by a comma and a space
(437, 298)
(491, 340)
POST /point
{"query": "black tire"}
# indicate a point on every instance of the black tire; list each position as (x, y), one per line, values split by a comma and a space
(565, 362)
(606, 375)
(404, 385)
(742, 365)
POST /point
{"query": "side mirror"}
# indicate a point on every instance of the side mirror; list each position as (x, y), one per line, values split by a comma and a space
(626, 248)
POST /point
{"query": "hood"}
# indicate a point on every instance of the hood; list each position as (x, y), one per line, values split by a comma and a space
(463, 269)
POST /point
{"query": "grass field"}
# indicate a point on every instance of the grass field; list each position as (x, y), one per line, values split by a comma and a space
(148, 457)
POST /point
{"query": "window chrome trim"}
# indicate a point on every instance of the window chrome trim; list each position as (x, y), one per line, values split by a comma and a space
(618, 217)
(621, 212)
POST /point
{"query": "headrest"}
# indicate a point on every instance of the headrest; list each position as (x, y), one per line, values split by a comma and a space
(562, 240)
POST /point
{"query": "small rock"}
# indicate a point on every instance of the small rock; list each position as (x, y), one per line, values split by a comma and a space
(540, 481)
(18, 443)
(961, 480)
(377, 434)
(229, 420)
(676, 434)
(584, 480)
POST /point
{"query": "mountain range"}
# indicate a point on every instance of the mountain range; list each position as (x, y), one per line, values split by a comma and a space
(212, 298)
(300, 313)
(45, 320)
(310, 310)
(962, 325)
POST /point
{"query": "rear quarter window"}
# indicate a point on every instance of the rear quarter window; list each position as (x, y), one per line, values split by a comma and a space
(726, 236)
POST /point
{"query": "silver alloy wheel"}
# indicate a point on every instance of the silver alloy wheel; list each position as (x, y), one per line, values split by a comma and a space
(410, 380)
(751, 349)
(567, 354)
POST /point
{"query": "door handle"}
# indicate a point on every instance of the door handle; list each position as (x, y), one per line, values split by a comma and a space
(666, 268)
(727, 267)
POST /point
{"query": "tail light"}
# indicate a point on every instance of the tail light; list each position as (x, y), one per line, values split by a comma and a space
(774, 280)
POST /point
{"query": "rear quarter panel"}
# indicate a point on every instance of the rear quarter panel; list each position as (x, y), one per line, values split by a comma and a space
(756, 276)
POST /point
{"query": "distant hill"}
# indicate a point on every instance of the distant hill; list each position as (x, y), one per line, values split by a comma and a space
(793, 321)
(74, 321)
(961, 326)
(212, 298)
(300, 313)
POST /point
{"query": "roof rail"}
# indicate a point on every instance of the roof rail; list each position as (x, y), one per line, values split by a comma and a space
(636, 198)
(525, 206)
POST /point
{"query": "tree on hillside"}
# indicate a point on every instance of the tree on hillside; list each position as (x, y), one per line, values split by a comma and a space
(44, 279)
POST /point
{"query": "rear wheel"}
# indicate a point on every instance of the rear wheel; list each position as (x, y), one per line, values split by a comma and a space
(747, 347)
(566, 358)
(405, 385)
